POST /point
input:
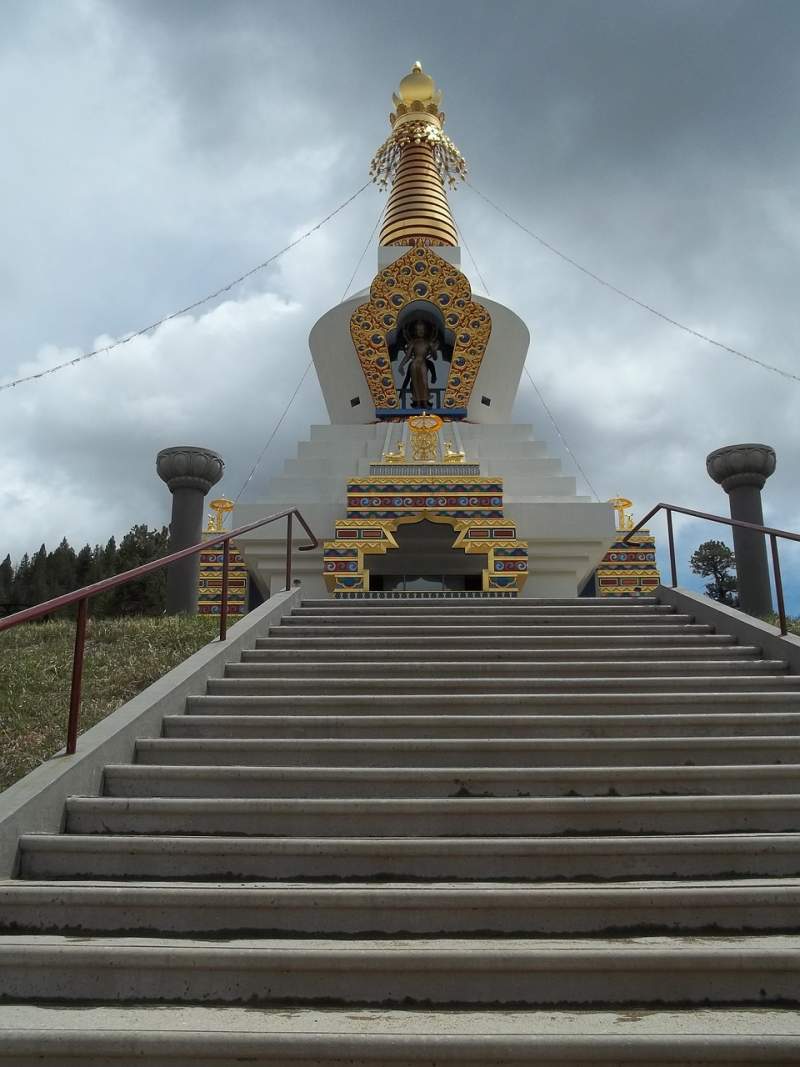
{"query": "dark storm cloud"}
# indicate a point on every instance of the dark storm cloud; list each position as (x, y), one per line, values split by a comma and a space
(157, 148)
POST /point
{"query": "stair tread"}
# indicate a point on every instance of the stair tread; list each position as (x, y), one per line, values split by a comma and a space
(589, 843)
(297, 879)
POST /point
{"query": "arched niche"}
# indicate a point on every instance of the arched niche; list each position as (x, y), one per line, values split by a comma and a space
(395, 342)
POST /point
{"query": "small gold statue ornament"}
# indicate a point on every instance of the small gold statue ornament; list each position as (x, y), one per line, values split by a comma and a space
(425, 437)
(397, 455)
(451, 454)
(219, 509)
(621, 506)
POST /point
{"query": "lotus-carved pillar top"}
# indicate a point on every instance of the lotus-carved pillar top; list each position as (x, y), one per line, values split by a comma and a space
(188, 467)
(736, 465)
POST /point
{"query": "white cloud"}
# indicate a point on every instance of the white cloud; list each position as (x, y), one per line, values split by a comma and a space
(155, 151)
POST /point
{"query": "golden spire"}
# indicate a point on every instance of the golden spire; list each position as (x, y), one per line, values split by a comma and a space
(418, 158)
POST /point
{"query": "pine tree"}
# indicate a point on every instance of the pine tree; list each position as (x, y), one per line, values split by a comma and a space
(147, 595)
(6, 582)
(62, 569)
(39, 579)
(21, 586)
(715, 560)
(84, 567)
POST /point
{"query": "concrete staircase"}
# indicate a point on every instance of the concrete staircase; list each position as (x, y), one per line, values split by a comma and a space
(429, 832)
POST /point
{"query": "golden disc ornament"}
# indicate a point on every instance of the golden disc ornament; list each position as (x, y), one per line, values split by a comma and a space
(425, 437)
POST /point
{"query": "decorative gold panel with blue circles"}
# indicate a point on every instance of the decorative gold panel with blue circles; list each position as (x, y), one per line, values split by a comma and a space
(420, 274)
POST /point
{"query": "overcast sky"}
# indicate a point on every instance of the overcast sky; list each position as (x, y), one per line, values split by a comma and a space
(151, 151)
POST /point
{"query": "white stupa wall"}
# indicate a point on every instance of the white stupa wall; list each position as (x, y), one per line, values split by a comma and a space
(567, 534)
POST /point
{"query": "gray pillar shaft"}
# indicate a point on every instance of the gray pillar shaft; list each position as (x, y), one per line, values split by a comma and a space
(185, 529)
(189, 472)
(752, 569)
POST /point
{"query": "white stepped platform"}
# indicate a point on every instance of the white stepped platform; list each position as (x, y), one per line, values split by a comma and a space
(567, 534)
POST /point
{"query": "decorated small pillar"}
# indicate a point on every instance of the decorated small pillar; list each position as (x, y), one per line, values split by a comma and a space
(628, 568)
(209, 591)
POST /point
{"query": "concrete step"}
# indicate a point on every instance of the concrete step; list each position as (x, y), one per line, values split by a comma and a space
(188, 1035)
(467, 752)
(403, 666)
(132, 780)
(455, 620)
(705, 724)
(400, 909)
(494, 641)
(472, 817)
(477, 602)
(272, 650)
(453, 633)
(233, 701)
(506, 609)
(533, 859)
(496, 688)
(568, 972)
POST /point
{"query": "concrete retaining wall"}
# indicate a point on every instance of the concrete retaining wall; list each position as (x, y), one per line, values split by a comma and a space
(35, 804)
(726, 620)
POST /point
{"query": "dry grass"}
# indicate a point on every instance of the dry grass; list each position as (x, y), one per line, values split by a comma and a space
(123, 657)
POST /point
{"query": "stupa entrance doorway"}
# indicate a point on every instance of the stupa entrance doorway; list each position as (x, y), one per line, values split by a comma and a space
(425, 560)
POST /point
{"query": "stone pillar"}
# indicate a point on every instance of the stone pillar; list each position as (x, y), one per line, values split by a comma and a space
(189, 473)
(741, 470)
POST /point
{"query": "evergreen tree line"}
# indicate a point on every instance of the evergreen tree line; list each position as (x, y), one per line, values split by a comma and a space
(44, 575)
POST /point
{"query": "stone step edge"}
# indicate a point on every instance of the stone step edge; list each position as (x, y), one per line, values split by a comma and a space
(447, 744)
(456, 805)
(481, 1038)
(590, 844)
(455, 774)
(235, 699)
(499, 719)
(255, 668)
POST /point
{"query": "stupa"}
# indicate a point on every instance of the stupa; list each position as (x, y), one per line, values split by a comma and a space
(422, 483)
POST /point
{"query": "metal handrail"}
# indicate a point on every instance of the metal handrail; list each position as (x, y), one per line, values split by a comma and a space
(81, 598)
(769, 531)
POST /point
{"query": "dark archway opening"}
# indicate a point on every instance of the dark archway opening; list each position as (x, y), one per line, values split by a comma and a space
(425, 559)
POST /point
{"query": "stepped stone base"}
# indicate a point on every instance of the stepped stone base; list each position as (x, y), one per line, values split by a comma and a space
(566, 533)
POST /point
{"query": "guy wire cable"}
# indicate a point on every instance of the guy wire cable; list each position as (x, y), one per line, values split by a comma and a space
(189, 307)
(293, 397)
(550, 414)
(633, 299)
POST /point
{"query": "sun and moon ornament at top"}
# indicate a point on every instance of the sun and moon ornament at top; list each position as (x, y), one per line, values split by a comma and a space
(418, 120)
(219, 510)
(622, 505)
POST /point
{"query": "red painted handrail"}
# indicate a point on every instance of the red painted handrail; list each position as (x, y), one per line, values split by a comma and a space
(769, 531)
(81, 598)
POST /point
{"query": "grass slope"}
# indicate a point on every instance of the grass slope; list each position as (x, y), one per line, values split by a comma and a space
(123, 656)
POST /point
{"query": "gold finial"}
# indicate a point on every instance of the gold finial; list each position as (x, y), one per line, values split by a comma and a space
(219, 509)
(621, 506)
(418, 158)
